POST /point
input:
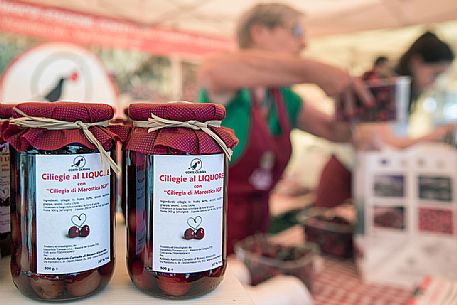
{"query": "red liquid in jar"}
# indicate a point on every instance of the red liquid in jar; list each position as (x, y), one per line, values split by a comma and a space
(140, 245)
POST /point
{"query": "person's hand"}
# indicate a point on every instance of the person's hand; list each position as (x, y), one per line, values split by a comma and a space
(345, 88)
(443, 131)
(355, 91)
(336, 82)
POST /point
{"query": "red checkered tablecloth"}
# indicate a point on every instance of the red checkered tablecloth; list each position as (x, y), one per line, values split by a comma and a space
(338, 283)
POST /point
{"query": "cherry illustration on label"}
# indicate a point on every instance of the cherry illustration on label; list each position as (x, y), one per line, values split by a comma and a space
(189, 234)
(194, 231)
(80, 229)
(200, 233)
(73, 232)
(84, 232)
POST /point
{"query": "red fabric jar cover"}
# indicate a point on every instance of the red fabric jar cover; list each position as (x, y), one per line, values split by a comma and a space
(122, 125)
(121, 128)
(178, 138)
(6, 111)
(24, 138)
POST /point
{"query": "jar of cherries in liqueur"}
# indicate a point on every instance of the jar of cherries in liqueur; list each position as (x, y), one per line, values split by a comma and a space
(121, 127)
(5, 230)
(62, 216)
(176, 188)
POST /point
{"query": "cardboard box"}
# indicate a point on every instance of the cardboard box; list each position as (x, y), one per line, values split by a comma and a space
(406, 209)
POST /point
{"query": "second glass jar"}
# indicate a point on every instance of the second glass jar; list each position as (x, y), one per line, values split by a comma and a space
(176, 204)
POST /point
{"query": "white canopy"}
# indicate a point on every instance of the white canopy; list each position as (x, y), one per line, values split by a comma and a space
(324, 17)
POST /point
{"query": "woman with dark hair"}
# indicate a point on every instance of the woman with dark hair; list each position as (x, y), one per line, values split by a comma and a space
(427, 58)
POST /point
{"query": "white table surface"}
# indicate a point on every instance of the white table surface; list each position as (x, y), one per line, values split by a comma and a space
(120, 290)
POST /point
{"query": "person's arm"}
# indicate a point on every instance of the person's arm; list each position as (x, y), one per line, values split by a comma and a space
(323, 125)
(374, 136)
(225, 73)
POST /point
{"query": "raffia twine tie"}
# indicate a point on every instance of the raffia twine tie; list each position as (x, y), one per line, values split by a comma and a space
(28, 121)
(155, 123)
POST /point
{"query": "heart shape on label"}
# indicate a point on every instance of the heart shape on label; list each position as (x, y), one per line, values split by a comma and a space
(194, 222)
(79, 220)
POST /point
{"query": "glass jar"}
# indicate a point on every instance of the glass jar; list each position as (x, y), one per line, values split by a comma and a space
(62, 216)
(176, 201)
(5, 230)
(127, 123)
(121, 128)
(123, 182)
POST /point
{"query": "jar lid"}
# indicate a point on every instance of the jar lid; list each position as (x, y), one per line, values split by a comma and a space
(177, 111)
(178, 138)
(24, 138)
(67, 111)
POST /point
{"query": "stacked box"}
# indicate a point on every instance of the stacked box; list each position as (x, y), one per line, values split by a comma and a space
(406, 210)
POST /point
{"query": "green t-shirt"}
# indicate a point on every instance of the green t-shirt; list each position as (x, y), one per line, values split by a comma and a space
(238, 115)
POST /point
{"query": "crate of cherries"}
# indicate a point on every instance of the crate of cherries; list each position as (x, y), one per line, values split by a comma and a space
(265, 259)
(384, 108)
(330, 228)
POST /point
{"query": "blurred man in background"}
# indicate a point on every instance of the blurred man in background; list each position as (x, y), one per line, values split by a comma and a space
(381, 69)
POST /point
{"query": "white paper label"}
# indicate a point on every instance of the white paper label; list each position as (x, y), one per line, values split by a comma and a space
(4, 188)
(71, 191)
(188, 196)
